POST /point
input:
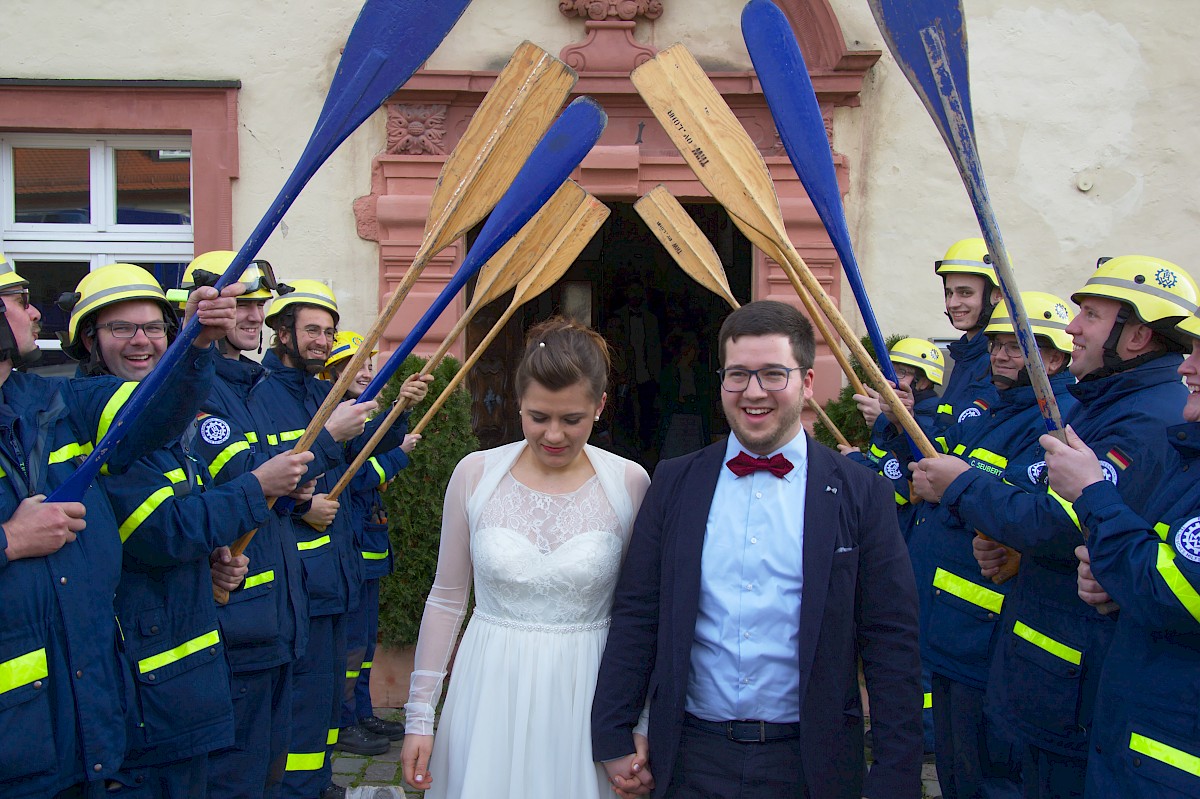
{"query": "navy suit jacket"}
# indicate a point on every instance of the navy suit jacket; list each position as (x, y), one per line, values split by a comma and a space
(859, 601)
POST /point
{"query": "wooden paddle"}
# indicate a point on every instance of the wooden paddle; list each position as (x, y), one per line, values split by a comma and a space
(553, 262)
(695, 255)
(724, 158)
(496, 278)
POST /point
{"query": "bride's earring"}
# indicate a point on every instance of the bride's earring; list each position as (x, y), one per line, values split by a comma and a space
(596, 419)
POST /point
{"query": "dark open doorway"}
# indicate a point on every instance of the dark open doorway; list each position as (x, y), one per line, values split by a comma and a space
(666, 403)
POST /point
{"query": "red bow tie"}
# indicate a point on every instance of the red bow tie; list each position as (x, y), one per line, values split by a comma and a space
(743, 464)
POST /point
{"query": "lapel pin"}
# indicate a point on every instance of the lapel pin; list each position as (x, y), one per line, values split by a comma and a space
(831, 489)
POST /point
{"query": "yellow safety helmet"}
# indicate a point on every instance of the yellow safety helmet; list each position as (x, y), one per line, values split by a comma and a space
(101, 288)
(258, 278)
(345, 345)
(968, 257)
(305, 292)
(1048, 316)
(8, 275)
(1190, 327)
(1157, 290)
(922, 354)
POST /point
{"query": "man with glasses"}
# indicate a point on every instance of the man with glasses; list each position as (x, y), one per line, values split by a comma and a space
(760, 570)
(171, 523)
(62, 718)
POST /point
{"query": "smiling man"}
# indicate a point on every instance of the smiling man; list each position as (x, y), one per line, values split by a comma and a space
(1051, 644)
(760, 569)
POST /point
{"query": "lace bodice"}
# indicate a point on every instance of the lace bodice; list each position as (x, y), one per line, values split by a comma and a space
(537, 561)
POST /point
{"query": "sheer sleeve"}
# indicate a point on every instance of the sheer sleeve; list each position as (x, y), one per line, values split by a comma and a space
(447, 602)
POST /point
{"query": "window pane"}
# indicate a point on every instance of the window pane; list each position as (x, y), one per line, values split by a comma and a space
(169, 274)
(154, 187)
(48, 280)
(52, 186)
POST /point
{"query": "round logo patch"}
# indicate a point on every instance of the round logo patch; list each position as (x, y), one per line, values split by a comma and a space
(214, 431)
(892, 469)
(1187, 540)
(968, 413)
(1110, 472)
(1166, 278)
(1035, 472)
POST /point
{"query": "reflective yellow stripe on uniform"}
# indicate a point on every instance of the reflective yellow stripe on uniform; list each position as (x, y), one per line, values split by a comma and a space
(1163, 530)
(928, 702)
(332, 737)
(968, 591)
(351, 675)
(376, 555)
(877, 451)
(1165, 753)
(112, 407)
(1183, 590)
(379, 471)
(945, 408)
(959, 449)
(259, 579)
(290, 435)
(1066, 506)
(941, 443)
(225, 455)
(191, 647)
(1042, 641)
(143, 511)
(23, 670)
(367, 664)
(987, 456)
(68, 451)
(316, 543)
(301, 761)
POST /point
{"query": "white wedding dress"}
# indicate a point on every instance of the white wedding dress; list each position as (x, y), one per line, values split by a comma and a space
(516, 722)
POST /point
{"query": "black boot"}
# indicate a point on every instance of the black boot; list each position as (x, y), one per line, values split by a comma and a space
(359, 741)
(333, 792)
(392, 730)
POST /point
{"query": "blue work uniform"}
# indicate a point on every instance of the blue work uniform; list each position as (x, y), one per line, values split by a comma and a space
(887, 451)
(63, 684)
(265, 622)
(332, 566)
(960, 609)
(369, 522)
(1047, 661)
(1146, 742)
(170, 520)
(969, 388)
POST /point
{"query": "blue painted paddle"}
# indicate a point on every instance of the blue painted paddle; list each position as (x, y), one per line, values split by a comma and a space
(929, 41)
(389, 41)
(793, 103)
(569, 139)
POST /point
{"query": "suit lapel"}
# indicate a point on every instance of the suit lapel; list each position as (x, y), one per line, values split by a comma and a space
(696, 489)
(822, 499)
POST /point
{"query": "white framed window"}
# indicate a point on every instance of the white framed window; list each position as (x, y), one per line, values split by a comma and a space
(72, 203)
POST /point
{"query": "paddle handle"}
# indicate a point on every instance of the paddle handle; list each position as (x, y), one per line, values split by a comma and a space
(829, 425)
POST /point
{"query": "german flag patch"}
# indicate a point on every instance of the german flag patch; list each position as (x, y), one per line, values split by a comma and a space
(1118, 458)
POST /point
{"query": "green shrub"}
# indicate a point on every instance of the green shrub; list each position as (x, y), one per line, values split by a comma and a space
(843, 411)
(414, 500)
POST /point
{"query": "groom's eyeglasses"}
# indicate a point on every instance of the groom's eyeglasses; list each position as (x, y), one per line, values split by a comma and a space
(772, 378)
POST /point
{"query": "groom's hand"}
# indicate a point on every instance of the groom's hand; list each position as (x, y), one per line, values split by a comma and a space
(630, 775)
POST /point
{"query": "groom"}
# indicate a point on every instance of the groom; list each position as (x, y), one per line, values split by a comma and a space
(760, 570)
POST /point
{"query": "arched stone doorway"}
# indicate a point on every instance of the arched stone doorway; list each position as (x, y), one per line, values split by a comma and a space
(426, 118)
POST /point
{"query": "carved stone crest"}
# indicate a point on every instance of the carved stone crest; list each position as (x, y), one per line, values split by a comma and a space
(416, 129)
(611, 9)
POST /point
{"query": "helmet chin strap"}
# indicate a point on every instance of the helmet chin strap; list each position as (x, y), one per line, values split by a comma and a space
(10, 350)
(311, 365)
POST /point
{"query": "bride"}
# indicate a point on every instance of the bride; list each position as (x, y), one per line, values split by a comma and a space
(540, 526)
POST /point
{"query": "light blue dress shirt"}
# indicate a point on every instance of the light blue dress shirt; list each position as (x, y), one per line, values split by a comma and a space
(745, 656)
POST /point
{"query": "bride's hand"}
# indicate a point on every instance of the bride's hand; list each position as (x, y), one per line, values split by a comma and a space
(415, 759)
(630, 775)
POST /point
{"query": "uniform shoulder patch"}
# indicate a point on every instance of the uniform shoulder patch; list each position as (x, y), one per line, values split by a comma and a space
(970, 412)
(1110, 472)
(892, 470)
(214, 431)
(1187, 540)
(1035, 472)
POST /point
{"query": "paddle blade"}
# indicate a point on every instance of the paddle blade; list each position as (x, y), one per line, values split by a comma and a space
(901, 23)
(506, 268)
(514, 115)
(793, 103)
(559, 152)
(681, 237)
(558, 256)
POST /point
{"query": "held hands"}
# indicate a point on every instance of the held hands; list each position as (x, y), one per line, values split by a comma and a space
(414, 757)
(415, 387)
(990, 556)
(322, 512)
(932, 476)
(1071, 467)
(630, 775)
(280, 476)
(349, 419)
(228, 570)
(39, 528)
(215, 312)
(1090, 591)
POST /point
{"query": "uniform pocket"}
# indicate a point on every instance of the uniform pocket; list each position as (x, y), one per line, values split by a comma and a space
(322, 570)
(181, 688)
(251, 617)
(26, 714)
(962, 618)
(1168, 760)
(1049, 673)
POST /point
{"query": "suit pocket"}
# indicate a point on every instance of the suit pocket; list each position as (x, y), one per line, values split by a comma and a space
(26, 712)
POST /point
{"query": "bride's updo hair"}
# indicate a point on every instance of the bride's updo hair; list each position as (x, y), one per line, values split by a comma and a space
(559, 353)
